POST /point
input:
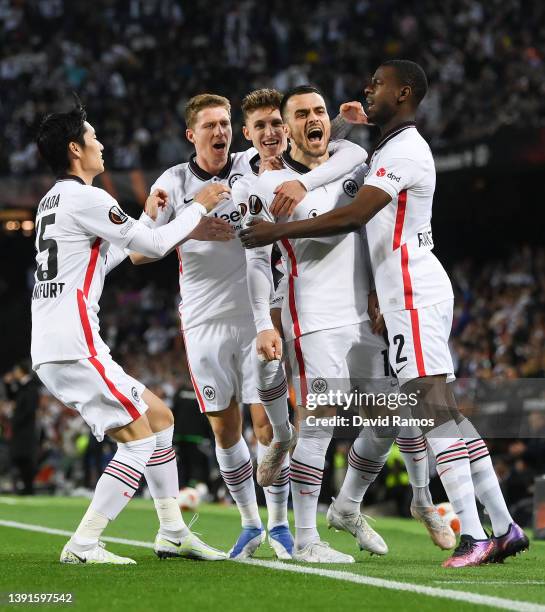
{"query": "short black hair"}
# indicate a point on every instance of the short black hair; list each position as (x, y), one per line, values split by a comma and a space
(412, 74)
(297, 91)
(55, 133)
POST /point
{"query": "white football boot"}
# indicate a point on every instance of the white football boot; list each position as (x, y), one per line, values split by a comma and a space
(321, 552)
(96, 555)
(270, 466)
(440, 531)
(355, 524)
(188, 547)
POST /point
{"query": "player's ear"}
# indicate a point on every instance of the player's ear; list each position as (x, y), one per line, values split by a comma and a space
(190, 135)
(74, 149)
(404, 93)
(246, 133)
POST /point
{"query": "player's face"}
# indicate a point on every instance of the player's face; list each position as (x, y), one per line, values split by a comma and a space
(308, 123)
(382, 95)
(265, 128)
(90, 155)
(212, 134)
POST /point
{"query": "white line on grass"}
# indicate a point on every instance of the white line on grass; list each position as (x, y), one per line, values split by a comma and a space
(467, 597)
(464, 596)
(487, 582)
(62, 532)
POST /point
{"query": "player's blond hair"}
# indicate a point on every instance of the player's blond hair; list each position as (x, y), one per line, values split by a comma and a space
(260, 98)
(202, 101)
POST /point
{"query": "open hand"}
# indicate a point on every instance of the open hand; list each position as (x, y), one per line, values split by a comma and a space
(211, 195)
(288, 195)
(213, 229)
(259, 233)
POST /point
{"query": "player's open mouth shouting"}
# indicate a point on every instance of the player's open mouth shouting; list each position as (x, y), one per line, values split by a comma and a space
(315, 134)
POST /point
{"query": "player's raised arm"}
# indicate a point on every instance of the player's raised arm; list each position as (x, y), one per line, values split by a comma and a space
(205, 228)
(345, 157)
(367, 203)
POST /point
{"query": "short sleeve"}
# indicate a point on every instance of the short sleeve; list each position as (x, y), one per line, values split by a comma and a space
(103, 217)
(394, 175)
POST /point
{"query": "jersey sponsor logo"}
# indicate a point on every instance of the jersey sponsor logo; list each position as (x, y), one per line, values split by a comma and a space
(425, 239)
(117, 216)
(134, 394)
(233, 179)
(381, 172)
(319, 385)
(255, 205)
(187, 200)
(233, 217)
(350, 187)
(209, 392)
(313, 213)
(393, 177)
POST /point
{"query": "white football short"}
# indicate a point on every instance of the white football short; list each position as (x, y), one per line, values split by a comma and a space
(219, 356)
(339, 359)
(419, 341)
(98, 388)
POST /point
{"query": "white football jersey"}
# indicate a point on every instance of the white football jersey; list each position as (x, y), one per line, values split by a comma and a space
(328, 280)
(407, 274)
(212, 274)
(75, 224)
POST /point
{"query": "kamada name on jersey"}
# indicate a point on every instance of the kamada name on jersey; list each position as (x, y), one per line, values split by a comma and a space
(49, 203)
(47, 290)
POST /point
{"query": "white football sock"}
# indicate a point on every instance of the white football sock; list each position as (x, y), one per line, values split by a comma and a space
(238, 474)
(485, 480)
(89, 531)
(161, 471)
(306, 472)
(118, 483)
(161, 474)
(366, 458)
(272, 388)
(277, 494)
(413, 449)
(455, 473)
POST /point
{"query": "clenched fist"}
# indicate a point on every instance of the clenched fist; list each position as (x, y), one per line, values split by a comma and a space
(156, 200)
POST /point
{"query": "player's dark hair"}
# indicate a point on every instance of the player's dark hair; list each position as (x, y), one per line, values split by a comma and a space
(296, 91)
(412, 74)
(260, 98)
(56, 132)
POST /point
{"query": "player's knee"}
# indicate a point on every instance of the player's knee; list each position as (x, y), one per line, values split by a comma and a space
(226, 426)
(159, 414)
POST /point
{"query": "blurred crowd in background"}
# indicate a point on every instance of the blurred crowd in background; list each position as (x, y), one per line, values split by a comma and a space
(498, 333)
(135, 63)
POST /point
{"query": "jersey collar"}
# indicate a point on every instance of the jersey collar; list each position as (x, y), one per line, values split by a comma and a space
(70, 177)
(393, 133)
(206, 176)
(294, 165)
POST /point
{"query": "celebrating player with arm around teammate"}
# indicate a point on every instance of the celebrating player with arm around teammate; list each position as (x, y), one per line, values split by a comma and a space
(416, 300)
(78, 225)
(217, 320)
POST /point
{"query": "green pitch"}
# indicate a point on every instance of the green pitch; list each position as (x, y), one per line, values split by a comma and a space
(29, 564)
